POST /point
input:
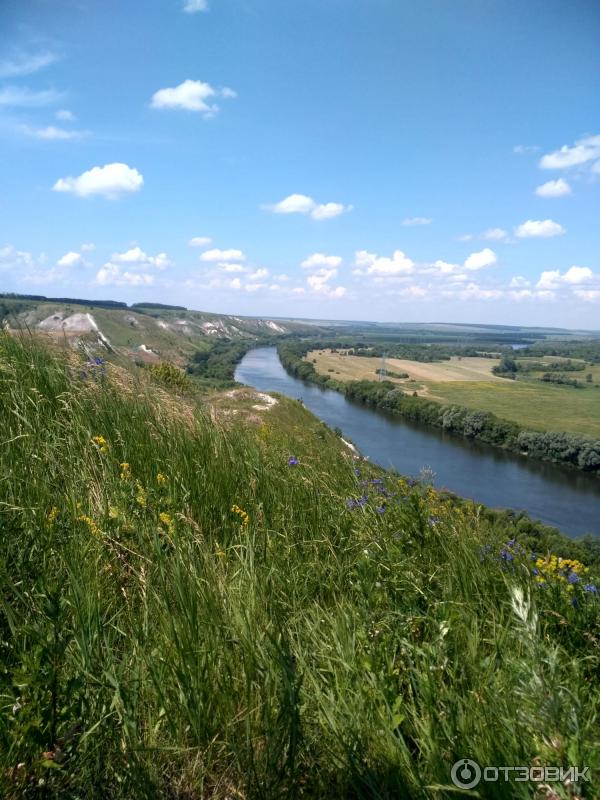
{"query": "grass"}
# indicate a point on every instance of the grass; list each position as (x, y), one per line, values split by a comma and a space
(185, 614)
(528, 402)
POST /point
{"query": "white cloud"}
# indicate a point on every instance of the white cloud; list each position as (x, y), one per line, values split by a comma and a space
(557, 188)
(22, 97)
(191, 96)
(583, 151)
(64, 115)
(259, 275)
(553, 279)
(235, 283)
(193, 6)
(52, 133)
(138, 258)
(475, 292)
(88, 247)
(199, 241)
(321, 260)
(70, 259)
(303, 204)
(371, 264)
(329, 210)
(539, 229)
(227, 267)
(576, 275)
(11, 257)
(589, 295)
(519, 282)
(112, 275)
(465, 237)
(484, 258)
(410, 222)
(26, 64)
(222, 255)
(339, 291)
(494, 234)
(521, 149)
(110, 181)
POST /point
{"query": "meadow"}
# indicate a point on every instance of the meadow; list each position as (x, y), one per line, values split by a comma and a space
(195, 606)
(469, 382)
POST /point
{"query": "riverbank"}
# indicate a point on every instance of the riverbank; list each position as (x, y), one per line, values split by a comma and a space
(574, 451)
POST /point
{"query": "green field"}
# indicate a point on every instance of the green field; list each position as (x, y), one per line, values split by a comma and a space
(532, 404)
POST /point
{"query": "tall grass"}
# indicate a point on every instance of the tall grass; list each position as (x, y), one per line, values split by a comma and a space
(352, 636)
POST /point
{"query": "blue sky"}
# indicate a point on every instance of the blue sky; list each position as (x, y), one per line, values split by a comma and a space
(349, 159)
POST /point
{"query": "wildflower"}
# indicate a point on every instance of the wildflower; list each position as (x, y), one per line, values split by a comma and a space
(140, 495)
(573, 578)
(241, 514)
(125, 471)
(167, 520)
(380, 509)
(357, 472)
(94, 529)
(52, 515)
(113, 512)
(293, 461)
(161, 479)
(592, 588)
(100, 443)
(377, 482)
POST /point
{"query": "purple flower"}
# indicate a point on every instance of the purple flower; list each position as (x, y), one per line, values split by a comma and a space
(590, 587)
(506, 555)
(573, 578)
(357, 472)
(380, 509)
(293, 461)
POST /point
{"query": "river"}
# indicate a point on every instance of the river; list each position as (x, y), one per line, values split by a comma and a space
(558, 496)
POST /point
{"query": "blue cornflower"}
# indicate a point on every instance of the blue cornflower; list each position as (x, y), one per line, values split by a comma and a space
(573, 578)
(506, 555)
(380, 509)
(357, 472)
(590, 587)
(293, 461)
(377, 482)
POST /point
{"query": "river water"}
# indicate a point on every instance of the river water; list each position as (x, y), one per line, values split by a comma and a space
(568, 499)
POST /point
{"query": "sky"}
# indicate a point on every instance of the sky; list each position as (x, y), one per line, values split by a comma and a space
(390, 160)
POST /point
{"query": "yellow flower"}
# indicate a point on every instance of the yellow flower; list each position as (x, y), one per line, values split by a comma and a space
(113, 512)
(52, 515)
(167, 521)
(90, 523)
(125, 471)
(161, 479)
(140, 495)
(241, 514)
(100, 443)
(220, 553)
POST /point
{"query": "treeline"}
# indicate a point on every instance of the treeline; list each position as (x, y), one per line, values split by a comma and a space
(140, 307)
(563, 448)
(588, 350)
(216, 367)
(38, 298)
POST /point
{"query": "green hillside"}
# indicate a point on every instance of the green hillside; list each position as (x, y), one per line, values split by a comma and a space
(204, 605)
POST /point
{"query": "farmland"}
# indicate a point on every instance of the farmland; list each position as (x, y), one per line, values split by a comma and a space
(469, 382)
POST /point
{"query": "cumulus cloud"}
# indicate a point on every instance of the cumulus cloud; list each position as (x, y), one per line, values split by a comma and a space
(557, 188)
(303, 204)
(22, 97)
(10, 256)
(484, 258)
(229, 267)
(193, 6)
(371, 264)
(494, 234)
(26, 64)
(113, 275)
(321, 260)
(191, 96)
(222, 255)
(110, 181)
(535, 228)
(259, 274)
(137, 257)
(589, 295)
(519, 282)
(574, 276)
(582, 152)
(199, 241)
(87, 247)
(410, 222)
(70, 259)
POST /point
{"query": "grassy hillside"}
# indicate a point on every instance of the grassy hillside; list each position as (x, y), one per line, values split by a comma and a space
(204, 605)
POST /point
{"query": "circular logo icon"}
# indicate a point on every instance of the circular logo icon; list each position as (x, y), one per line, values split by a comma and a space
(465, 773)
